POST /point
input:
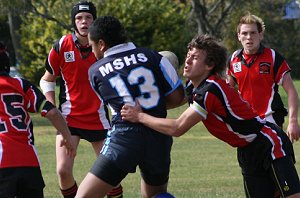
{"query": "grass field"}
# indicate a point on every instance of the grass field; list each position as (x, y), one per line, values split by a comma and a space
(202, 166)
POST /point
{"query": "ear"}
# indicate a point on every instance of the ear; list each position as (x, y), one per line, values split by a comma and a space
(209, 68)
(261, 36)
(238, 36)
(103, 46)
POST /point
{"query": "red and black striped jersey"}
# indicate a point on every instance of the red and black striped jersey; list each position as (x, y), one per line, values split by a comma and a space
(229, 117)
(258, 79)
(79, 104)
(18, 97)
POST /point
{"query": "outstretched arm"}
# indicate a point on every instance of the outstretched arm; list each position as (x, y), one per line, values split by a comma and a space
(172, 127)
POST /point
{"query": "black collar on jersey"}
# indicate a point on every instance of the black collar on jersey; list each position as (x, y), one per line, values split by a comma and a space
(4, 73)
(241, 57)
(84, 51)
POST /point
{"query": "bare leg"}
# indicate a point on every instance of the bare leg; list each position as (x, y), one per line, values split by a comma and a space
(64, 164)
(149, 191)
(117, 191)
(97, 146)
(93, 187)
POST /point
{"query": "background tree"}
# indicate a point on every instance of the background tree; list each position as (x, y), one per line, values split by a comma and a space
(157, 24)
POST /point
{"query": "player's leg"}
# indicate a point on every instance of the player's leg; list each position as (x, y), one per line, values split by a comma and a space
(150, 191)
(8, 182)
(155, 166)
(101, 179)
(117, 191)
(64, 167)
(285, 177)
(93, 187)
(258, 186)
(30, 183)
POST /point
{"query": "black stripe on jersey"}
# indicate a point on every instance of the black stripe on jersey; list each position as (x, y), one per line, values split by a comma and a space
(56, 46)
(244, 127)
(277, 62)
(39, 95)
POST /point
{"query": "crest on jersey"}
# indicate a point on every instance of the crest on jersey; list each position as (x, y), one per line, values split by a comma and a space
(264, 68)
(69, 56)
(237, 67)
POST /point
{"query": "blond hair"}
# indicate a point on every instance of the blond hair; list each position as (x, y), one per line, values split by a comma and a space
(251, 19)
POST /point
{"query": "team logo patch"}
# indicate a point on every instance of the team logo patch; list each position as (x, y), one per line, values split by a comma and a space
(237, 67)
(69, 56)
(264, 68)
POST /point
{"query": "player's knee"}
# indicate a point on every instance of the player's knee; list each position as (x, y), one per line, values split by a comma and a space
(64, 171)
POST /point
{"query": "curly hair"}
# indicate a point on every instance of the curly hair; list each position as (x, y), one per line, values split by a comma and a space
(216, 53)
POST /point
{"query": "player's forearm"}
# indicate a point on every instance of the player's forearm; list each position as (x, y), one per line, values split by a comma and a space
(293, 107)
(162, 125)
(59, 123)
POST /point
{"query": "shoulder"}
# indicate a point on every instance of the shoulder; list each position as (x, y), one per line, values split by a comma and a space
(62, 42)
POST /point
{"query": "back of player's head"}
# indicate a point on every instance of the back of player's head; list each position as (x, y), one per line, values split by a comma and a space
(4, 59)
(83, 6)
(109, 29)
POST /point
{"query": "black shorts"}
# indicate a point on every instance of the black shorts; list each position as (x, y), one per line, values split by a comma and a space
(279, 115)
(89, 135)
(130, 145)
(21, 182)
(263, 176)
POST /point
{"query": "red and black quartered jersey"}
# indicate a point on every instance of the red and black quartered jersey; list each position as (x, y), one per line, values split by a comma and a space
(17, 98)
(79, 104)
(258, 79)
(229, 117)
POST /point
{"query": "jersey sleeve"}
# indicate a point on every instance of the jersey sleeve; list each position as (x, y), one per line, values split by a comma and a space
(204, 102)
(36, 101)
(281, 67)
(170, 75)
(53, 60)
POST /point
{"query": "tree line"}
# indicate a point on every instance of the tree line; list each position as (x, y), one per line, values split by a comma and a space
(30, 27)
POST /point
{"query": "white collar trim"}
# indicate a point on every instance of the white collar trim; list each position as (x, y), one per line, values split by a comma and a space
(119, 48)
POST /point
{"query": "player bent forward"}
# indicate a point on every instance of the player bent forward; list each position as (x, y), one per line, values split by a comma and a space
(265, 152)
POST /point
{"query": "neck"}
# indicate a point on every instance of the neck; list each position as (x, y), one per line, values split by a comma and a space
(83, 40)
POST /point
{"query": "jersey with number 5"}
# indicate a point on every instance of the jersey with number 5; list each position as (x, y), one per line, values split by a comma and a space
(17, 98)
(134, 74)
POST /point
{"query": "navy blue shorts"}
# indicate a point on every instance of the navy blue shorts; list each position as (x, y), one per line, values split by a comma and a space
(88, 135)
(265, 177)
(130, 145)
(21, 182)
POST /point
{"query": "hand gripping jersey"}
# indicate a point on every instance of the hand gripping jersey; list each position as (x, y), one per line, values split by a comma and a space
(17, 98)
(127, 73)
(77, 101)
(230, 118)
(259, 79)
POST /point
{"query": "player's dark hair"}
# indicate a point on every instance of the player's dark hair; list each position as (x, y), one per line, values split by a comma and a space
(4, 58)
(83, 6)
(109, 29)
(216, 53)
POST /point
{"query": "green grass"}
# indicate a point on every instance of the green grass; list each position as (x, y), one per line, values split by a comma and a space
(202, 166)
